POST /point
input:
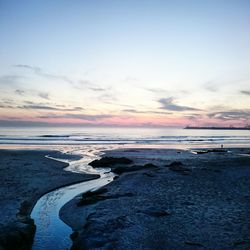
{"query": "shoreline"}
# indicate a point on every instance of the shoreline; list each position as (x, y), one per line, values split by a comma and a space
(25, 174)
(184, 201)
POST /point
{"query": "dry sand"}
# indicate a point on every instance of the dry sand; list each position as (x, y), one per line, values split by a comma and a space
(202, 203)
(25, 176)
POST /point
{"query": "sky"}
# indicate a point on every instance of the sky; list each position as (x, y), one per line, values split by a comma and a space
(125, 63)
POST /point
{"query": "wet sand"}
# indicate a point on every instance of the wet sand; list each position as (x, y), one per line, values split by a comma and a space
(182, 201)
(25, 176)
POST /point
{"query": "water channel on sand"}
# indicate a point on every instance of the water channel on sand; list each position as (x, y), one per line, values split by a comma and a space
(51, 231)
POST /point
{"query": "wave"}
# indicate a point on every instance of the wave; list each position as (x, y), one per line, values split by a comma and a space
(54, 136)
(62, 140)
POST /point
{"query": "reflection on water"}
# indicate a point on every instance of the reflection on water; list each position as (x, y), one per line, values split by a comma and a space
(51, 232)
(120, 136)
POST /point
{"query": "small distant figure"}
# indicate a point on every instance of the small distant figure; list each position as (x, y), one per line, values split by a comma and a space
(221, 145)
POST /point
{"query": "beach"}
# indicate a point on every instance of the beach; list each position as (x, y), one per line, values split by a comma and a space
(160, 198)
(176, 199)
(26, 175)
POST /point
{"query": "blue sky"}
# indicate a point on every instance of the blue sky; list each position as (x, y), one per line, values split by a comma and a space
(166, 63)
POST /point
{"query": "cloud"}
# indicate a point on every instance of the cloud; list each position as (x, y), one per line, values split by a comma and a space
(40, 72)
(108, 98)
(7, 104)
(44, 95)
(16, 123)
(19, 91)
(194, 116)
(168, 104)
(86, 84)
(4, 106)
(97, 89)
(211, 86)
(145, 112)
(245, 92)
(38, 107)
(131, 79)
(84, 117)
(231, 115)
(156, 90)
(81, 84)
(34, 106)
(9, 79)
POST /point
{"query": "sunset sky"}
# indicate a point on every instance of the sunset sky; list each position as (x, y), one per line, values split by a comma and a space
(126, 63)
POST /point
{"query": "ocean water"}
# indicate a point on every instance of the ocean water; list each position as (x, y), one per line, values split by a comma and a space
(132, 137)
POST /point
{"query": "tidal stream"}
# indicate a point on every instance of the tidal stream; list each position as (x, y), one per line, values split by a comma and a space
(51, 231)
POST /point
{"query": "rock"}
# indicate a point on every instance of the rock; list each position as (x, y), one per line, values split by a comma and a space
(217, 150)
(94, 198)
(199, 152)
(148, 174)
(217, 171)
(109, 161)
(24, 208)
(99, 234)
(121, 170)
(155, 212)
(177, 166)
(187, 203)
(74, 235)
(213, 150)
(17, 236)
(94, 193)
(175, 163)
(150, 165)
(191, 243)
(124, 169)
(242, 242)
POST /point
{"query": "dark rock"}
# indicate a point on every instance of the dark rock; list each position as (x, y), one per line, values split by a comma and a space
(94, 193)
(191, 243)
(199, 152)
(217, 171)
(124, 169)
(217, 150)
(17, 236)
(150, 165)
(110, 161)
(97, 233)
(177, 166)
(92, 199)
(74, 235)
(213, 150)
(24, 208)
(154, 212)
(187, 203)
(121, 170)
(175, 163)
(148, 174)
(242, 242)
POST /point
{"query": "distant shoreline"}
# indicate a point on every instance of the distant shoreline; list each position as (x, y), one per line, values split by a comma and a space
(220, 128)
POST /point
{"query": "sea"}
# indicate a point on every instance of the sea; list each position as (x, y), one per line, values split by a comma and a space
(127, 137)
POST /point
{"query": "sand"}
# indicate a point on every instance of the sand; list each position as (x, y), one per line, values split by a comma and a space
(199, 201)
(25, 176)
